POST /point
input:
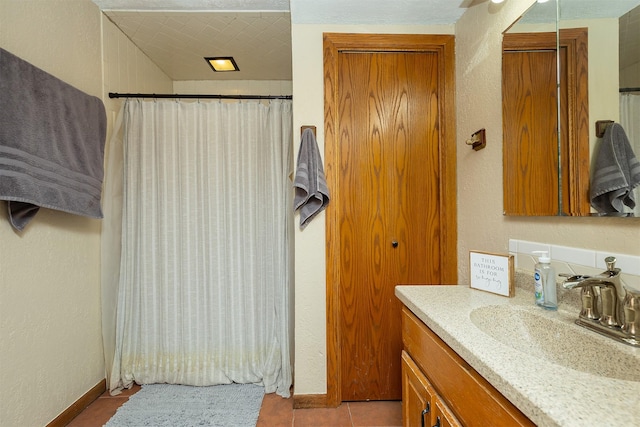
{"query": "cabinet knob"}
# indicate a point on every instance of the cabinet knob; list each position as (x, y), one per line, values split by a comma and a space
(394, 243)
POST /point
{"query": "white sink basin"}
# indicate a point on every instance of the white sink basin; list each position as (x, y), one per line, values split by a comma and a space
(531, 331)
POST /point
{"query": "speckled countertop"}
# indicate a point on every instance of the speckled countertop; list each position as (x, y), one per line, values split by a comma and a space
(550, 394)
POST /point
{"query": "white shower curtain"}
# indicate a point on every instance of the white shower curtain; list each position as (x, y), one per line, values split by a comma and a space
(630, 121)
(203, 294)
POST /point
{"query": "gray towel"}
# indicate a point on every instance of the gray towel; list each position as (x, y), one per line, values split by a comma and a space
(616, 172)
(312, 194)
(52, 139)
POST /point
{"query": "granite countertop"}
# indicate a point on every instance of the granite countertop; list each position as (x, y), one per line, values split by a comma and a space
(550, 394)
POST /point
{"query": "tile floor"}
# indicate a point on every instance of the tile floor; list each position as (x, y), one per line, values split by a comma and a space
(275, 412)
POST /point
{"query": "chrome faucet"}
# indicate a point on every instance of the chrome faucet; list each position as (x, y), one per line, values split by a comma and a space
(620, 318)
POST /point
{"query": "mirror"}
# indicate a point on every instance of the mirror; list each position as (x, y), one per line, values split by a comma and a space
(546, 166)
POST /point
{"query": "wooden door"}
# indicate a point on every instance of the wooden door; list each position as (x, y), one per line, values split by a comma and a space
(535, 183)
(530, 117)
(388, 221)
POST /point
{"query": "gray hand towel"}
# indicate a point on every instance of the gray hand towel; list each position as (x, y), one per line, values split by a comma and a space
(312, 194)
(52, 139)
(616, 172)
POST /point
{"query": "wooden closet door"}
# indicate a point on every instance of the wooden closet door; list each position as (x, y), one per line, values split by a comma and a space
(389, 212)
(530, 123)
(530, 149)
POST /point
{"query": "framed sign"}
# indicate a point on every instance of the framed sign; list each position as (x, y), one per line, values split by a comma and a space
(491, 272)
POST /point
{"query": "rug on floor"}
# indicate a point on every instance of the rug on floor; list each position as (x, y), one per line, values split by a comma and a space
(169, 405)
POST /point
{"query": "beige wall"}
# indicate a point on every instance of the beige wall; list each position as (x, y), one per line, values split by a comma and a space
(481, 225)
(126, 70)
(233, 87)
(604, 99)
(51, 349)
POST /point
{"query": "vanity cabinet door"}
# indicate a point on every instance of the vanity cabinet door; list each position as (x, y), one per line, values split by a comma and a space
(417, 395)
(421, 405)
(470, 397)
(443, 416)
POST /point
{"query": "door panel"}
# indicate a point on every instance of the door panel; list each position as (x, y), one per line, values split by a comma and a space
(389, 218)
(390, 161)
(530, 140)
(530, 132)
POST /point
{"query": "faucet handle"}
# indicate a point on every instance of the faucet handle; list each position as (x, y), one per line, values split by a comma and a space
(589, 299)
(631, 324)
(611, 262)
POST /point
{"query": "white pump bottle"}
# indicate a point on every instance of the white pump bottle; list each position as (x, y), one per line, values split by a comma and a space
(545, 282)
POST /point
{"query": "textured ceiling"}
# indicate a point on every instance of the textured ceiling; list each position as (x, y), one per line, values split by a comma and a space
(178, 42)
(218, 5)
(178, 34)
(397, 12)
(578, 9)
(318, 11)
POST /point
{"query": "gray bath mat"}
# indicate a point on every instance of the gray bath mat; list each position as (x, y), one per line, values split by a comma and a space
(168, 405)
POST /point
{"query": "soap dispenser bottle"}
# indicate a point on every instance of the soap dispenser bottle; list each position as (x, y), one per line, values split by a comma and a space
(545, 282)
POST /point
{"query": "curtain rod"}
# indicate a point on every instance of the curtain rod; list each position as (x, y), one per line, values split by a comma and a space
(629, 89)
(192, 96)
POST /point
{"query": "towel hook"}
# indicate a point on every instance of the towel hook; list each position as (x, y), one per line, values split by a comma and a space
(601, 126)
(303, 128)
(478, 140)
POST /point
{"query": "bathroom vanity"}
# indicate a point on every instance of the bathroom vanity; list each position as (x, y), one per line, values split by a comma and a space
(463, 396)
(473, 358)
